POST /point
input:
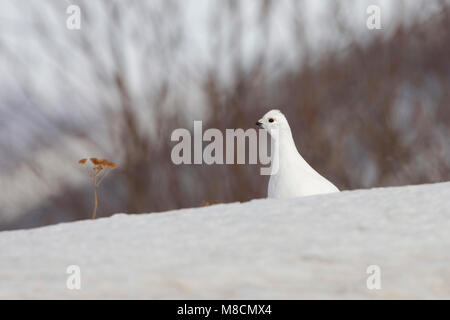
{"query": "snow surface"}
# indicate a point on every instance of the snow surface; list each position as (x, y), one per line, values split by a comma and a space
(311, 247)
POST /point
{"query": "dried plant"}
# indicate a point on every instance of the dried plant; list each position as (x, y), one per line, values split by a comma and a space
(100, 169)
(207, 203)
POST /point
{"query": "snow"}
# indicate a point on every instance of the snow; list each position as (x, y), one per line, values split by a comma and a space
(312, 247)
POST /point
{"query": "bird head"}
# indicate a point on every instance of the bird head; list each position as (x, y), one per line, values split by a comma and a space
(273, 120)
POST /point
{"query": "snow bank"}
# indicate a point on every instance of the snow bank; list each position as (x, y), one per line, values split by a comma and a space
(312, 247)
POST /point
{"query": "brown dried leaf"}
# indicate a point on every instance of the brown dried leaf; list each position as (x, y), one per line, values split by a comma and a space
(95, 161)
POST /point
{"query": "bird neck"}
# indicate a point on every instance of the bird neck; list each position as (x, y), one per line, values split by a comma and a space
(285, 153)
(284, 144)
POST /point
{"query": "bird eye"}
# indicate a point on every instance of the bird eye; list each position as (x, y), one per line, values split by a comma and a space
(271, 120)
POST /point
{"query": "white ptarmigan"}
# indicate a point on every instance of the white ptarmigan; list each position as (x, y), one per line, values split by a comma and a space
(291, 175)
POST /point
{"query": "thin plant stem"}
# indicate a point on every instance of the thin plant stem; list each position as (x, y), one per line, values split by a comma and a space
(101, 169)
(94, 213)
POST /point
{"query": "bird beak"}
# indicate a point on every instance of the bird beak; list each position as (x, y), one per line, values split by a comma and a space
(258, 123)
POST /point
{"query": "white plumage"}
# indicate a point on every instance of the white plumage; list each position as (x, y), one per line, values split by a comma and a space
(291, 175)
